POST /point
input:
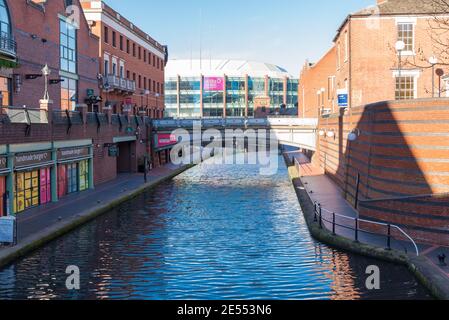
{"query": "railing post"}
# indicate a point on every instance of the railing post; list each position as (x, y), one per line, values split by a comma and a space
(389, 238)
(321, 217)
(333, 223)
(315, 219)
(356, 230)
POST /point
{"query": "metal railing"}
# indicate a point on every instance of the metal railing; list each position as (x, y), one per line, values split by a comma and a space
(8, 45)
(330, 220)
(115, 82)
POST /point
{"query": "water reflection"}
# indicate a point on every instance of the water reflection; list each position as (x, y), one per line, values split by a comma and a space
(215, 232)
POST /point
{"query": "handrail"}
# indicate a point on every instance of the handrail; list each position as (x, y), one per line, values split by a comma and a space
(318, 212)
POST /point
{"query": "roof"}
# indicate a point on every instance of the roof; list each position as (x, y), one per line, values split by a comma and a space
(400, 7)
(393, 7)
(220, 67)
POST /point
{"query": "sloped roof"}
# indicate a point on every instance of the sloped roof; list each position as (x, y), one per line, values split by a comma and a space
(392, 7)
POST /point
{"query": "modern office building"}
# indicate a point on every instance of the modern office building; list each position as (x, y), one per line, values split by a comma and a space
(228, 88)
(131, 62)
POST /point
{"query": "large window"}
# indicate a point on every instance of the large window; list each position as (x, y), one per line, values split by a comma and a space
(67, 47)
(405, 34)
(190, 98)
(69, 89)
(235, 97)
(405, 88)
(5, 25)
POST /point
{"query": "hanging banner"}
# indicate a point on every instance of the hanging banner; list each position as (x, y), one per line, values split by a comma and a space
(213, 84)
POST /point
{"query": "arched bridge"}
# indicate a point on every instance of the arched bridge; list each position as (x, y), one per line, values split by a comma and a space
(296, 132)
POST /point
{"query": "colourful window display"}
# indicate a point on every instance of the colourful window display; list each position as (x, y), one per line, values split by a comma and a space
(26, 190)
(45, 186)
(73, 177)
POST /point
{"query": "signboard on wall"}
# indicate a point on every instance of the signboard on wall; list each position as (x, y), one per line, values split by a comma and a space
(113, 151)
(213, 84)
(7, 229)
(73, 153)
(342, 96)
(165, 140)
(35, 158)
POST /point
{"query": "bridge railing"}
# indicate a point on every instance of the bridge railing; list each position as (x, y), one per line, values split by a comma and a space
(236, 122)
(365, 231)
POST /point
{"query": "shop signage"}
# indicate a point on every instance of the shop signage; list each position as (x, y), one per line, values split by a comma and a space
(342, 96)
(166, 139)
(213, 84)
(7, 227)
(90, 92)
(3, 163)
(29, 159)
(68, 154)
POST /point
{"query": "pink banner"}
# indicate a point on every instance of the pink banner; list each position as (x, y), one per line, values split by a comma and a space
(166, 139)
(213, 84)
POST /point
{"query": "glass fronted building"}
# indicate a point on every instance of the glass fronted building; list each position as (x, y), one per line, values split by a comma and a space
(227, 88)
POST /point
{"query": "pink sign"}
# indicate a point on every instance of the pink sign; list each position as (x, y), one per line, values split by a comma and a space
(213, 84)
(166, 139)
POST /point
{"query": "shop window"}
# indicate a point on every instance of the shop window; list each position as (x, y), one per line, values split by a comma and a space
(45, 186)
(2, 196)
(62, 181)
(72, 178)
(83, 175)
(26, 190)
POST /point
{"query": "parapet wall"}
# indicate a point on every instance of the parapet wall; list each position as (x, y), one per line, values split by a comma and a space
(401, 151)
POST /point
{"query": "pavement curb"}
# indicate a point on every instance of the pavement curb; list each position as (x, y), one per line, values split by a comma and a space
(34, 242)
(437, 285)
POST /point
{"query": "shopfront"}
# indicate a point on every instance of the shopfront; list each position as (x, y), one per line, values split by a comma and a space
(32, 180)
(3, 172)
(73, 170)
(163, 143)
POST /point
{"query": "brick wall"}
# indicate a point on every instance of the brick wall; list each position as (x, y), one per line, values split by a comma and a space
(402, 151)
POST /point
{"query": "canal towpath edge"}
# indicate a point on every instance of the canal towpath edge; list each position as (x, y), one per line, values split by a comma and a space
(425, 271)
(78, 210)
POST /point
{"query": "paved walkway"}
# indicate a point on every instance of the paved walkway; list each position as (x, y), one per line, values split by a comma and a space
(39, 224)
(323, 190)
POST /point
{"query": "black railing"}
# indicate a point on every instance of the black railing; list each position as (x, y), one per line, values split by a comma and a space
(8, 45)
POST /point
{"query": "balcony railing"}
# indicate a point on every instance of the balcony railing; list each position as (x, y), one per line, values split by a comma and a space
(8, 46)
(121, 84)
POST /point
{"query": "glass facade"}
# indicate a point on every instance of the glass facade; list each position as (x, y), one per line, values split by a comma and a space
(5, 25)
(236, 103)
(69, 89)
(68, 64)
(190, 97)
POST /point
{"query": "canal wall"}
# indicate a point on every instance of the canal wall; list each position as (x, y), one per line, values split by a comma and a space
(436, 283)
(38, 240)
(398, 160)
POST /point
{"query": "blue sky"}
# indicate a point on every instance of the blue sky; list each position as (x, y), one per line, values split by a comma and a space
(282, 32)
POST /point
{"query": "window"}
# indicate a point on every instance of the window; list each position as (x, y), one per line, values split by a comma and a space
(405, 88)
(134, 49)
(128, 47)
(140, 53)
(67, 47)
(154, 61)
(338, 55)
(158, 61)
(149, 57)
(114, 42)
(405, 34)
(121, 42)
(5, 25)
(114, 68)
(346, 46)
(128, 75)
(122, 72)
(140, 81)
(330, 87)
(145, 83)
(106, 67)
(106, 35)
(144, 55)
(69, 89)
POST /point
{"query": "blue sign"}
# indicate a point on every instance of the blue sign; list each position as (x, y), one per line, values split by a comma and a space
(343, 100)
(7, 226)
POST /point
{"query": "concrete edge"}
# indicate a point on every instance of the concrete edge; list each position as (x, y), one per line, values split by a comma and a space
(437, 285)
(35, 242)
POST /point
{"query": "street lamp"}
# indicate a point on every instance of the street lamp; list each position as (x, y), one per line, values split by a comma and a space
(433, 61)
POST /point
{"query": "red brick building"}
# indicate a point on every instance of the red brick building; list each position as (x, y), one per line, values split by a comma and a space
(366, 64)
(132, 62)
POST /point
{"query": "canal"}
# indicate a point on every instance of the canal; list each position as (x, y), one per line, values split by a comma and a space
(214, 232)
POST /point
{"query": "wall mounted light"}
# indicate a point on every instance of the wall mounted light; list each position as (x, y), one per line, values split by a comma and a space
(331, 134)
(322, 133)
(354, 135)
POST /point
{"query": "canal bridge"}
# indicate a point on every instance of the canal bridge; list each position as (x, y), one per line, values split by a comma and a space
(295, 132)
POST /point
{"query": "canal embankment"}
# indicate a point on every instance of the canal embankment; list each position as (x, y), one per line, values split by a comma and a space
(39, 226)
(432, 277)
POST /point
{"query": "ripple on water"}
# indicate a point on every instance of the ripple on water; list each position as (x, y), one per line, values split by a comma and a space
(214, 232)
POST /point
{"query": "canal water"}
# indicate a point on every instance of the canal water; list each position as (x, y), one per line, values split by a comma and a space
(214, 232)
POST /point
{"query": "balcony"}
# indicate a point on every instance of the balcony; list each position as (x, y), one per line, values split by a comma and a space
(118, 84)
(8, 46)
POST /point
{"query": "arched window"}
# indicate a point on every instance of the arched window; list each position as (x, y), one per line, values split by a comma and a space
(5, 24)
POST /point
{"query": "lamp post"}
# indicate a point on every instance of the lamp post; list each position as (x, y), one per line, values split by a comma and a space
(433, 61)
(400, 46)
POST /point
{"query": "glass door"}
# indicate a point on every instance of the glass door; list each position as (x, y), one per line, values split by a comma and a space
(84, 175)
(62, 180)
(45, 186)
(72, 178)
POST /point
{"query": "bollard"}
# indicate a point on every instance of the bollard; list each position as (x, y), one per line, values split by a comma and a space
(315, 213)
(321, 218)
(356, 230)
(333, 223)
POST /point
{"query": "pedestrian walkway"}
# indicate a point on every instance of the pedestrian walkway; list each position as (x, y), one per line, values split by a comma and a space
(40, 224)
(323, 190)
